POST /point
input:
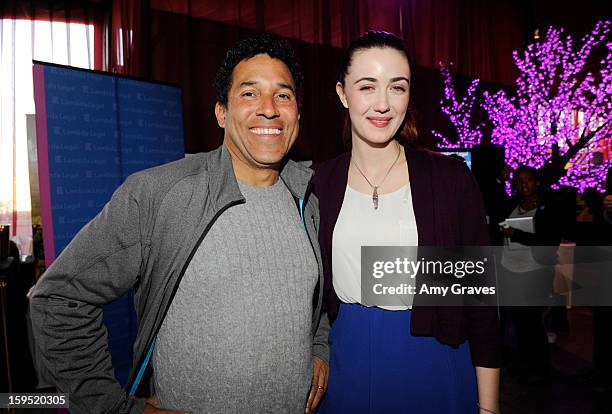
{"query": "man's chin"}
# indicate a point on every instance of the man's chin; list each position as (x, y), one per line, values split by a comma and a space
(269, 160)
(269, 164)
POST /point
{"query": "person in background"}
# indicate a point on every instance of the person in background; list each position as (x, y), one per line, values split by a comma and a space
(383, 192)
(526, 269)
(594, 228)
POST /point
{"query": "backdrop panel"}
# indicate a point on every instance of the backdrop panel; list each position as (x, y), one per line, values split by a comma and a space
(93, 130)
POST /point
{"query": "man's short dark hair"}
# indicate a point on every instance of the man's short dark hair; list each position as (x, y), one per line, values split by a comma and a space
(267, 44)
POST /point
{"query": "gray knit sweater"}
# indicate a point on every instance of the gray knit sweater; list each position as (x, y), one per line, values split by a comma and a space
(237, 335)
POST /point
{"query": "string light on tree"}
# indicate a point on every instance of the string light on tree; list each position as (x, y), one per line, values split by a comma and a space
(559, 115)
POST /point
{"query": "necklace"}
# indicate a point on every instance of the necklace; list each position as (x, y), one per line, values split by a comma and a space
(375, 187)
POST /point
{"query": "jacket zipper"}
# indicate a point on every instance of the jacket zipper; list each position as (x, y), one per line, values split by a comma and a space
(319, 265)
(151, 340)
(146, 355)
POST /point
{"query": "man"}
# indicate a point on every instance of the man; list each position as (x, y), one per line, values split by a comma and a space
(221, 250)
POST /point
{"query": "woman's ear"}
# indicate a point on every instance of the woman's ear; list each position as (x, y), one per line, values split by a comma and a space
(341, 94)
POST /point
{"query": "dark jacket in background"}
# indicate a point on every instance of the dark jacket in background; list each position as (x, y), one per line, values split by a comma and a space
(449, 211)
(550, 223)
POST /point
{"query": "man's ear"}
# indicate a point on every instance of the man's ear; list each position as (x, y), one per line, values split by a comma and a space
(341, 94)
(220, 111)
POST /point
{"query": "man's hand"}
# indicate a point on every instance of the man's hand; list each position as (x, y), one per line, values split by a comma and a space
(152, 407)
(320, 372)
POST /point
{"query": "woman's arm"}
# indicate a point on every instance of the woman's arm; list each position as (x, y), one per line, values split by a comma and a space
(482, 323)
(488, 390)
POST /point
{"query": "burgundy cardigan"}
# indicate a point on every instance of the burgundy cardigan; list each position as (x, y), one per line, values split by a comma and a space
(449, 211)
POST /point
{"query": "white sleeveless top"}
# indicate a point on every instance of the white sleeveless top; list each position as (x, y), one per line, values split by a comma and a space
(392, 224)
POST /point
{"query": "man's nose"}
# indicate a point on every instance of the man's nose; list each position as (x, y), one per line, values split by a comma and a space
(268, 107)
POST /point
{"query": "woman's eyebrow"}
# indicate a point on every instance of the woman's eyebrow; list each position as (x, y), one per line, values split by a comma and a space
(366, 79)
(396, 79)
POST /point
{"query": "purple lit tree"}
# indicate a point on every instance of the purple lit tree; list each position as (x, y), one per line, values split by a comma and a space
(459, 113)
(559, 115)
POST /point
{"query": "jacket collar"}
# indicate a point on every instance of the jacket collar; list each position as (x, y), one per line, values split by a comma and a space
(423, 194)
(223, 185)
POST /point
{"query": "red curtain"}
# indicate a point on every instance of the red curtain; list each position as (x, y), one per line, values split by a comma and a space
(129, 37)
(478, 36)
(187, 40)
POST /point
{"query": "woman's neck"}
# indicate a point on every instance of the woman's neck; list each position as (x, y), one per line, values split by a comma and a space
(530, 202)
(374, 159)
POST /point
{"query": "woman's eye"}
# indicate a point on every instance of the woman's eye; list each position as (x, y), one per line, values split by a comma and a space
(366, 88)
(398, 88)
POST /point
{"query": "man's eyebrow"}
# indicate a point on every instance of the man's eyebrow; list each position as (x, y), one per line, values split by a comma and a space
(287, 86)
(280, 84)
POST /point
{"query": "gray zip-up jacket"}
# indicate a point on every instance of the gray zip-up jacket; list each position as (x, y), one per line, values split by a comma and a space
(144, 238)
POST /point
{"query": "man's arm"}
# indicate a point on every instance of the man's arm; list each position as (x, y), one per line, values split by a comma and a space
(100, 264)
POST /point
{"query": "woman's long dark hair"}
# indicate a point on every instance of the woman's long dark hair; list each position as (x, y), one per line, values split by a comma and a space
(407, 132)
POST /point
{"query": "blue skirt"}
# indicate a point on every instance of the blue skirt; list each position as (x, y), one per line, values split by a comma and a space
(377, 366)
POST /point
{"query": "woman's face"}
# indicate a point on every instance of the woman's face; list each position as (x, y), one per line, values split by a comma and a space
(526, 184)
(376, 94)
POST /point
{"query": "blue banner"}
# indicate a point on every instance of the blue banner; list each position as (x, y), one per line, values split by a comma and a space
(100, 128)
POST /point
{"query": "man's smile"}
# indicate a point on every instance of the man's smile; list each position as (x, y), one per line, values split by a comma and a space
(266, 131)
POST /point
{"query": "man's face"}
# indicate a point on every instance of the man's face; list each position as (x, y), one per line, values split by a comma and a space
(261, 116)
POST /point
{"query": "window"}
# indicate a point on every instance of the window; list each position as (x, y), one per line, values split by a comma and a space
(21, 41)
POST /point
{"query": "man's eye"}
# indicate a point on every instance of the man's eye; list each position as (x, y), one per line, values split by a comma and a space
(248, 94)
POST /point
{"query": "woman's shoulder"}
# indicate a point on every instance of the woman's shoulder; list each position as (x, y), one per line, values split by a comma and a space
(325, 169)
(330, 176)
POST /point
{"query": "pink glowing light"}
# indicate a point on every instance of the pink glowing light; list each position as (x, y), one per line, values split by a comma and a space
(557, 103)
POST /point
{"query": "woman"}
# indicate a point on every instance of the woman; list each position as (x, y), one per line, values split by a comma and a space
(383, 193)
(530, 271)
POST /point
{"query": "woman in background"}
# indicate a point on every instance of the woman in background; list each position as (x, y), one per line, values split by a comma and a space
(530, 270)
(384, 193)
